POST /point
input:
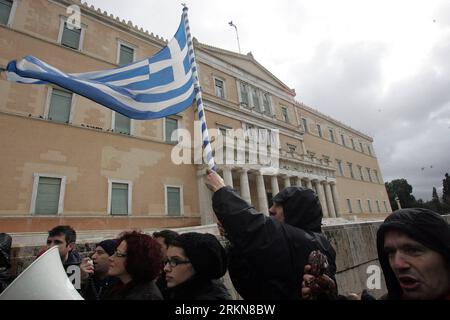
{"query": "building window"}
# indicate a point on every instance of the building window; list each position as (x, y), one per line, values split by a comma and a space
(244, 93)
(5, 11)
(360, 206)
(71, 36)
(120, 198)
(369, 175)
(126, 54)
(122, 124)
(376, 176)
(48, 194)
(266, 104)
(385, 206)
(369, 150)
(305, 124)
(369, 205)
(378, 206)
(331, 135)
(343, 140)
(350, 168)
(255, 99)
(319, 130)
(349, 205)
(361, 145)
(341, 169)
(219, 88)
(173, 201)
(353, 144)
(171, 125)
(284, 113)
(60, 105)
(360, 173)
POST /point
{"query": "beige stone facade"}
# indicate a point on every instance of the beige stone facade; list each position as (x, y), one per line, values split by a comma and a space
(88, 155)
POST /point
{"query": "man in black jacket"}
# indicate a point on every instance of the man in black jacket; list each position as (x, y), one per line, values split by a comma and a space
(268, 254)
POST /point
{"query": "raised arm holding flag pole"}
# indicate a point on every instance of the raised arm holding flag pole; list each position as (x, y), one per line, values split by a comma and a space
(155, 87)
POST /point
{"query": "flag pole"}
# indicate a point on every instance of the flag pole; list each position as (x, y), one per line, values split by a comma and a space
(198, 94)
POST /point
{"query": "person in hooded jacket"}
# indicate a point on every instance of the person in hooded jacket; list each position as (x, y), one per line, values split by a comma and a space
(194, 265)
(414, 252)
(268, 254)
(5, 261)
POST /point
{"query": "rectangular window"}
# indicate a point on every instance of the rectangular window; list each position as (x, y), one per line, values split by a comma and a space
(360, 173)
(353, 144)
(331, 135)
(60, 104)
(350, 167)
(284, 112)
(369, 150)
(369, 175)
(385, 206)
(361, 145)
(266, 104)
(343, 140)
(349, 205)
(126, 55)
(255, 99)
(5, 11)
(369, 205)
(171, 126)
(119, 198)
(319, 130)
(341, 169)
(122, 124)
(47, 196)
(219, 88)
(173, 196)
(244, 93)
(305, 124)
(377, 179)
(360, 206)
(378, 206)
(71, 37)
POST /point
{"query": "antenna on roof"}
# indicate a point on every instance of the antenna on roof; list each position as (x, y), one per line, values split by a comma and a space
(237, 34)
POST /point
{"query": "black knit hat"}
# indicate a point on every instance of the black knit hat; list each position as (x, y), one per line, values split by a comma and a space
(5, 249)
(108, 245)
(205, 252)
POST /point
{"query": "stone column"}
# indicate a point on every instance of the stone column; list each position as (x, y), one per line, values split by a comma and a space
(204, 200)
(274, 184)
(287, 181)
(335, 195)
(245, 188)
(309, 184)
(228, 176)
(303, 147)
(330, 205)
(262, 195)
(298, 181)
(321, 196)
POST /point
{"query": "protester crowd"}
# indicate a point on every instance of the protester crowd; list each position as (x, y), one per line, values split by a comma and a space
(279, 255)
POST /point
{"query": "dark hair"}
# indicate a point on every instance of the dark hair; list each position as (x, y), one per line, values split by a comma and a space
(167, 235)
(144, 257)
(69, 233)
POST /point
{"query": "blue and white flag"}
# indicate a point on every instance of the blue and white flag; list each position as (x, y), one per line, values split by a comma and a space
(152, 88)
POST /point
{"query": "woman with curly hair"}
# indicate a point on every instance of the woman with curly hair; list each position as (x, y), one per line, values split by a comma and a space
(137, 263)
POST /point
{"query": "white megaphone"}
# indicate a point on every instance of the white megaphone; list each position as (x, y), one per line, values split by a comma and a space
(44, 279)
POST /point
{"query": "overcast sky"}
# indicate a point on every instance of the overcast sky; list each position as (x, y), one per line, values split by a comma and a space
(379, 66)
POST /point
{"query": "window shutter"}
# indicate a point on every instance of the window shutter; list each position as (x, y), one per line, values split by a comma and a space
(5, 11)
(119, 199)
(126, 55)
(171, 126)
(71, 38)
(60, 104)
(47, 198)
(173, 201)
(122, 124)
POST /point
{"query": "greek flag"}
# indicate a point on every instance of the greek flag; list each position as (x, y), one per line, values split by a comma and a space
(152, 88)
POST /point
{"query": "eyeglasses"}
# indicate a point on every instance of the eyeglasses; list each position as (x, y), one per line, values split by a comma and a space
(173, 262)
(119, 254)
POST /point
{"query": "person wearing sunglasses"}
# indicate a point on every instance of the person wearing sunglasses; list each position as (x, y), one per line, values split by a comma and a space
(136, 262)
(194, 265)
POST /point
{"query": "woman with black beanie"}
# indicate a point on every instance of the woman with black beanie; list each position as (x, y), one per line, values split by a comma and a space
(195, 263)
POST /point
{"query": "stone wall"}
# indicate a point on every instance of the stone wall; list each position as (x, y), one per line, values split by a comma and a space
(355, 246)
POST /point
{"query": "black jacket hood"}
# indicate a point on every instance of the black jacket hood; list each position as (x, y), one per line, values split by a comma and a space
(424, 226)
(301, 208)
